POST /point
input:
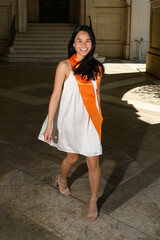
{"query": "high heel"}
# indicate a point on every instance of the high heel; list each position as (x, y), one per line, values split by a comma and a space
(58, 183)
(94, 216)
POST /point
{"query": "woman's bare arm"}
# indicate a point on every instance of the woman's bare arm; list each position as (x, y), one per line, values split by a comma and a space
(60, 76)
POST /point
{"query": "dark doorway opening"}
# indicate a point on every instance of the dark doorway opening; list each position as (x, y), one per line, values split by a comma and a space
(54, 11)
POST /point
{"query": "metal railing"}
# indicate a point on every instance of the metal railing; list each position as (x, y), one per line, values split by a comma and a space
(12, 32)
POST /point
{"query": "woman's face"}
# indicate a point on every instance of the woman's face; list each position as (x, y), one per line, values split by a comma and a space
(82, 44)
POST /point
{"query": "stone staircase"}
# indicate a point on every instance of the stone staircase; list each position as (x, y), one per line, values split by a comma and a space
(42, 42)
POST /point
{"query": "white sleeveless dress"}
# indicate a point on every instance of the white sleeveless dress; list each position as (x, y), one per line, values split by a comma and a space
(73, 130)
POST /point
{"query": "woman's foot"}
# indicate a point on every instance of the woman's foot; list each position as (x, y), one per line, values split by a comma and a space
(62, 184)
(92, 210)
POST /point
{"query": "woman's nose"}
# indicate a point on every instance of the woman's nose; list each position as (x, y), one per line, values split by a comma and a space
(84, 44)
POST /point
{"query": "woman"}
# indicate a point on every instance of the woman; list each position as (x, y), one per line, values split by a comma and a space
(74, 120)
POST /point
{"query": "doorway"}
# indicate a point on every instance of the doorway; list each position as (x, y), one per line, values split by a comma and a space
(54, 11)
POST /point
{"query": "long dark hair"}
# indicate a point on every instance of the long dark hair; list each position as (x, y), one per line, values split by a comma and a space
(88, 66)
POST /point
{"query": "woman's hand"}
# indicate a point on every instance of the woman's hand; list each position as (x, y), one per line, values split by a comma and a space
(48, 135)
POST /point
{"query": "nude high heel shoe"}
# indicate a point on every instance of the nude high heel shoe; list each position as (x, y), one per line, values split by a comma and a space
(93, 216)
(60, 182)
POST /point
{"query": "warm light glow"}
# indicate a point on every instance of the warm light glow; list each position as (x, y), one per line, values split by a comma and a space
(146, 100)
(122, 67)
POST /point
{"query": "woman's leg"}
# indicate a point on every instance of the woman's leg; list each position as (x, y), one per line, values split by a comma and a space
(66, 165)
(94, 178)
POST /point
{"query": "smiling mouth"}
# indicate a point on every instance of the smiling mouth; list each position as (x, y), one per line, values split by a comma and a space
(83, 49)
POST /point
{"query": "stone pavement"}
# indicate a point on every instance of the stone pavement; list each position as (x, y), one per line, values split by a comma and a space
(32, 208)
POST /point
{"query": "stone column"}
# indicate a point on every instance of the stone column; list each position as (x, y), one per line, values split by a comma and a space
(82, 19)
(153, 55)
(22, 15)
(126, 51)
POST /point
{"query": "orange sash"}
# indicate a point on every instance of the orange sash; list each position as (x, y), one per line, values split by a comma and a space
(88, 96)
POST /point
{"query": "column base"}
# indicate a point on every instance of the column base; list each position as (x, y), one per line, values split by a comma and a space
(126, 52)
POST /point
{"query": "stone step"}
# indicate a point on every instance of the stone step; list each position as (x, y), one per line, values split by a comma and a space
(52, 30)
(100, 59)
(40, 50)
(43, 38)
(43, 32)
(42, 41)
(43, 35)
(62, 25)
(31, 59)
(52, 46)
(56, 28)
(37, 55)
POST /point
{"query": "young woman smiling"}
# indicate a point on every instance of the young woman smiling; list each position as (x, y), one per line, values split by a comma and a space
(74, 120)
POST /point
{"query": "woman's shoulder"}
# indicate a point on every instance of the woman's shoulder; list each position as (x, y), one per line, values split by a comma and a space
(64, 65)
(63, 68)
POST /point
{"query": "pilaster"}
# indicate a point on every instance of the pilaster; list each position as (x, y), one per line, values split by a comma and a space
(22, 15)
(153, 55)
(82, 12)
(126, 49)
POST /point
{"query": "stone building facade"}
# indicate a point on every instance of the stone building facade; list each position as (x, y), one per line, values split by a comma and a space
(117, 24)
(153, 55)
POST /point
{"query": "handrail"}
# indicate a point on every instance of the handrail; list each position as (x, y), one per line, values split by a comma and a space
(12, 32)
(90, 22)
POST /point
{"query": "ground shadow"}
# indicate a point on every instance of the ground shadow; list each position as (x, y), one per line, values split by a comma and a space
(119, 131)
(126, 141)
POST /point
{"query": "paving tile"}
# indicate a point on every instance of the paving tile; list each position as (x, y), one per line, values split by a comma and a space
(4, 168)
(116, 194)
(119, 91)
(130, 162)
(27, 160)
(66, 217)
(143, 211)
(80, 187)
(16, 184)
(143, 159)
(16, 225)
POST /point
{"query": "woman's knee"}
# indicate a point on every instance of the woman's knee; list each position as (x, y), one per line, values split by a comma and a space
(92, 162)
(72, 158)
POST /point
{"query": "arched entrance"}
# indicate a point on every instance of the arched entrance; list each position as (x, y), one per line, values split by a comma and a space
(53, 11)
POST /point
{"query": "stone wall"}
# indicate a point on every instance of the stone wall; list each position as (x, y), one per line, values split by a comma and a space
(111, 24)
(153, 56)
(140, 29)
(5, 23)
(9, 8)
